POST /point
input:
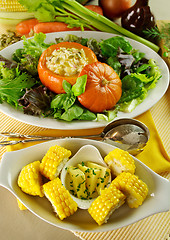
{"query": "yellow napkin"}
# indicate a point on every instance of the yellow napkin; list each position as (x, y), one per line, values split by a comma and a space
(154, 154)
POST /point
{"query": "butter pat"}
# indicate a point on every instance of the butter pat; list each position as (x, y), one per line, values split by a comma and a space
(103, 178)
(77, 182)
(91, 176)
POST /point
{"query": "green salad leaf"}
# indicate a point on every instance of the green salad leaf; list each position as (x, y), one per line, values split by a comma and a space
(79, 87)
(66, 106)
(13, 85)
(36, 101)
(109, 47)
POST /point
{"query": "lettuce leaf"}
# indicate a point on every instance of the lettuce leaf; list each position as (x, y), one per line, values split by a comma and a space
(110, 47)
(13, 89)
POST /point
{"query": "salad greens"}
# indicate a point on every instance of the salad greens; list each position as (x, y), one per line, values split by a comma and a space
(13, 84)
(76, 15)
(21, 88)
(65, 105)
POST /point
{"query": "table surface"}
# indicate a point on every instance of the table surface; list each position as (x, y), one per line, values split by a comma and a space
(9, 211)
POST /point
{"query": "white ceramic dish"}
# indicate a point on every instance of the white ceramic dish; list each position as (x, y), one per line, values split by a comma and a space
(153, 96)
(87, 153)
(158, 199)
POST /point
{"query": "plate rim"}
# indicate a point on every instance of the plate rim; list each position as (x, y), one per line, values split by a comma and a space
(52, 123)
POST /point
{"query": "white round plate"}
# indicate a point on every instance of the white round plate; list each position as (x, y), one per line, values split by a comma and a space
(154, 95)
(157, 200)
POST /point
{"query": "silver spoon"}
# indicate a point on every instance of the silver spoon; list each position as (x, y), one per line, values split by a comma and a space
(126, 133)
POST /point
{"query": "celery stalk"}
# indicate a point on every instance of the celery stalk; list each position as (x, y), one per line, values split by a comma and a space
(76, 15)
(99, 25)
(97, 19)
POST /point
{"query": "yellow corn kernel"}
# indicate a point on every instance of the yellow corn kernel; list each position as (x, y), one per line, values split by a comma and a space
(53, 162)
(20, 205)
(104, 205)
(30, 180)
(134, 188)
(11, 6)
(60, 198)
(120, 161)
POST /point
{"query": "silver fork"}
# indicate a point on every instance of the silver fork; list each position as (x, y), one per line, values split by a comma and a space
(29, 138)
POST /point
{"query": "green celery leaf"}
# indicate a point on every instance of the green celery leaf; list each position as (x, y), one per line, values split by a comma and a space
(46, 13)
(30, 5)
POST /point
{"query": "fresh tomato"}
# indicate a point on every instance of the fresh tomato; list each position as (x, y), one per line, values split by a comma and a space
(52, 80)
(103, 87)
(114, 8)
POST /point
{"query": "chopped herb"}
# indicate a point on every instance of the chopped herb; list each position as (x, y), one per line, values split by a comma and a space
(83, 198)
(102, 180)
(72, 191)
(94, 172)
(82, 164)
(97, 184)
(106, 174)
(77, 175)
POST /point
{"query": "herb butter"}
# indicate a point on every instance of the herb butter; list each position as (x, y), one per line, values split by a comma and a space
(66, 61)
(86, 180)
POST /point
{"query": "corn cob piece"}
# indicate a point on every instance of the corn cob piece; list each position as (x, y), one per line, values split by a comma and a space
(53, 162)
(60, 198)
(120, 161)
(20, 205)
(30, 179)
(11, 6)
(104, 205)
(134, 188)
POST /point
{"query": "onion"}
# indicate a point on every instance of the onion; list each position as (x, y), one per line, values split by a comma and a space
(114, 8)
